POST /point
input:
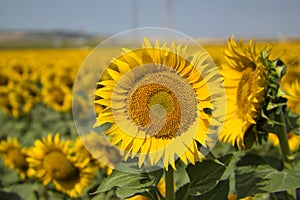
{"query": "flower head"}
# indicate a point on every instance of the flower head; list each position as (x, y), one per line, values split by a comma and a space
(245, 82)
(160, 104)
(14, 156)
(53, 160)
(292, 90)
(57, 97)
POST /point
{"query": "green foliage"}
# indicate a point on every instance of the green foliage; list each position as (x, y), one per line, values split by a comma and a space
(251, 180)
(218, 192)
(131, 181)
(205, 176)
(36, 124)
(198, 181)
(292, 122)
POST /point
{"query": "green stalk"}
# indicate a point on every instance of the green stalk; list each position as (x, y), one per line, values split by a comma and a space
(169, 181)
(285, 148)
(283, 139)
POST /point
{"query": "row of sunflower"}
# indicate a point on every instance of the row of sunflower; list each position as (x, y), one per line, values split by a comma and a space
(30, 78)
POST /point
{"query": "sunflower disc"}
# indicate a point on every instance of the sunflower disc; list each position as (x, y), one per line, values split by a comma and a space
(155, 96)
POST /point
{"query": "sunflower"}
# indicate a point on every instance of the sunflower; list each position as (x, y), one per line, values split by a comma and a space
(58, 97)
(14, 156)
(245, 82)
(292, 74)
(9, 102)
(17, 95)
(6, 79)
(24, 97)
(292, 90)
(22, 71)
(53, 160)
(160, 103)
(293, 140)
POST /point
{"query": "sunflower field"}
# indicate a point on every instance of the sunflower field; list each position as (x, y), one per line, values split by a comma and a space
(156, 105)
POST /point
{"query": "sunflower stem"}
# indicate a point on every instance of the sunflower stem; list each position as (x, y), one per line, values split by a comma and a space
(283, 140)
(284, 147)
(169, 181)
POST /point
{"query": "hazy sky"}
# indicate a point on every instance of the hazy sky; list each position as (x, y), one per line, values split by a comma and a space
(197, 18)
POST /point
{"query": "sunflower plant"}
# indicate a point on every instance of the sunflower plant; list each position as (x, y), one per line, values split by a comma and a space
(143, 106)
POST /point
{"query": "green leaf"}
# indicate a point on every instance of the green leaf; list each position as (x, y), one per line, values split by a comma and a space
(255, 160)
(218, 192)
(125, 179)
(104, 196)
(292, 121)
(150, 192)
(248, 180)
(127, 192)
(8, 177)
(231, 165)
(182, 192)
(9, 195)
(25, 190)
(100, 196)
(206, 175)
(264, 179)
(130, 181)
(180, 175)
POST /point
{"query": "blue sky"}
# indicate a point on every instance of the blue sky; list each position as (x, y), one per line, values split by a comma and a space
(196, 18)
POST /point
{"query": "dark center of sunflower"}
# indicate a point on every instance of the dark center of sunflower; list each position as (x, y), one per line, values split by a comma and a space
(18, 159)
(246, 93)
(57, 95)
(154, 100)
(19, 69)
(59, 166)
(4, 80)
(156, 104)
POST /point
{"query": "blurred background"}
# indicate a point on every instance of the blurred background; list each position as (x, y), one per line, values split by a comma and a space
(84, 23)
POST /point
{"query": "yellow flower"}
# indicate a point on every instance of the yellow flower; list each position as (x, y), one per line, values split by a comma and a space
(6, 79)
(27, 95)
(53, 160)
(292, 90)
(21, 70)
(245, 81)
(9, 103)
(293, 140)
(17, 97)
(14, 156)
(58, 97)
(160, 103)
(292, 75)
